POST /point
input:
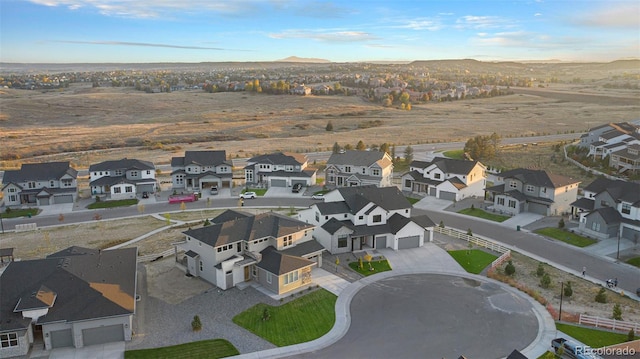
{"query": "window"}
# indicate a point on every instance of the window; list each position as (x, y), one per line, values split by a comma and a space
(501, 201)
(128, 189)
(377, 218)
(67, 183)
(626, 208)
(375, 171)
(291, 277)
(9, 340)
(12, 190)
(31, 185)
(134, 173)
(117, 190)
(513, 184)
(249, 176)
(117, 172)
(13, 198)
(148, 172)
(201, 266)
(239, 247)
(269, 277)
(604, 203)
(407, 183)
(288, 240)
(342, 241)
(254, 271)
(317, 217)
(361, 218)
(52, 184)
(512, 203)
(364, 170)
(179, 179)
(347, 169)
(595, 226)
(530, 188)
(436, 175)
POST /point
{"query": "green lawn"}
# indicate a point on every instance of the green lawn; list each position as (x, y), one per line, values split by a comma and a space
(548, 355)
(15, 213)
(566, 236)
(258, 191)
(301, 320)
(413, 200)
(209, 349)
(111, 204)
(634, 261)
(474, 260)
(378, 266)
(455, 154)
(592, 337)
(476, 212)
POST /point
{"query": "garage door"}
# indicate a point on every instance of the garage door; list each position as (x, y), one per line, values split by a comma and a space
(409, 242)
(44, 201)
(432, 191)
(144, 188)
(64, 199)
(538, 208)
(449, 196)
(61, 338)
(278, 183)
(381, 242)
(101, 335)
(302, 182)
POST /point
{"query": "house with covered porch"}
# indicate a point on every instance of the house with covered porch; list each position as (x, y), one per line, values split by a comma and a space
(446, 178)
(278, 170)
(40, 184)
(272, 250)
(199, 170)
(120, 179)
(366, 217)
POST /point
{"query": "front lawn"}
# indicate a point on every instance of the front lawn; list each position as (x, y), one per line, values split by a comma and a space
(15, 213)
(594, 338)
(378, 266)
(413, 200)
(258, 191)
(475, 212)
(474, 260)
(634, 261)
(112, 204)
(301, 320)
(209, 349)
(566, 236)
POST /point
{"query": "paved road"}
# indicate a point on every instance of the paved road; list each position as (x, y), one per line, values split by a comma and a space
(565, 255)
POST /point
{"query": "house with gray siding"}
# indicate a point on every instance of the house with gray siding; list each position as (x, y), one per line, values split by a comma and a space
(122, 179)
(446, 178)
(366, 217)
(73, 298)
(359, 168)
(40, 184)
(278, 170)
(535, 191)
(275, 251)
(199, 170)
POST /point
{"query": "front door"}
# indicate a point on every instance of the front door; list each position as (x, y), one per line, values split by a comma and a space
(247, 276)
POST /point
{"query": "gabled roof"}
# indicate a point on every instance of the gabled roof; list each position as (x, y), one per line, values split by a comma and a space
(263, 225)
(280, 158)
(230, 215)
(327, 208)
(389, 198)
(447, 165)
(333, 225)
(304, 248)
(76, 284)
(609, 214)
(620, 190)
(359, 158)
(279, 263)
(123, 164)
(39, 172)
(540, 178)
(201, 158)
(584, 203)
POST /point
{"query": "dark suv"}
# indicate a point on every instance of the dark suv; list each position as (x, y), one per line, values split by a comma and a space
(296, 188)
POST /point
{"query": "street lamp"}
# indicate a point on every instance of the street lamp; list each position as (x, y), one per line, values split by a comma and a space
(561, 296)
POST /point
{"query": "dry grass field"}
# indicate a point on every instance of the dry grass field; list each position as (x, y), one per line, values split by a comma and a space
(159, 126)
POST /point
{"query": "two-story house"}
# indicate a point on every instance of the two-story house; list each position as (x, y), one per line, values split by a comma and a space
(40, 184)
(123, 178)
(626, 160)
(446, 178)
(367, 217)
(358, 168)
(534, 191)
(198, 170)
(275, 251)
(278, 170)
(609, 208)
(73, 298)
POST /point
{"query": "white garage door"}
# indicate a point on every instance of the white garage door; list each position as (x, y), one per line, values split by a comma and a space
(278, 183)
(67, 198)
(409, 242)
(61, 338)
(381, 242)
(449, 196)
(101, 335)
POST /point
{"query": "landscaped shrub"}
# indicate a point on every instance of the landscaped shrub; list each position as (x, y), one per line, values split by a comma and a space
(196, 324)
(631, 336)
(601, 297)
(617, 312)
(545, 282)
(540, 270)
(561, 223)
(510, 269)
(441, 223)
(568, 291)
(266, 315)
(469, 233)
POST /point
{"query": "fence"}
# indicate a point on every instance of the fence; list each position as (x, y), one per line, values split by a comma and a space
(587, 169)
(26, 227)
(612, 324)
(150, 257)
(503, 258)
(480, 242)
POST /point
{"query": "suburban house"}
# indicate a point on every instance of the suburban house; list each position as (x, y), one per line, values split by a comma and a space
(446, 178)
(611, 138)
(73, 298)
(123, 178)
(278, 170)
(609, 208)
(358, 168)
(626, 160)
(535, 191)
(40, 184)
(596, 135)
(368, 217)
(275, 251)
(198, 170)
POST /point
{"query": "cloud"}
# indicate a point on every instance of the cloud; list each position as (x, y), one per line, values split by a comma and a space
(141, 44)
(325, 36)
(615, 15)
(537, 14)
(481, 22)
(421, 24)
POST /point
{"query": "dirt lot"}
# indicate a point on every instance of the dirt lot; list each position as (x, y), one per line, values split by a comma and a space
(78, 118)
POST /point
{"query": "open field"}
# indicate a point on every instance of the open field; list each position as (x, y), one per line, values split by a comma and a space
(159, 126)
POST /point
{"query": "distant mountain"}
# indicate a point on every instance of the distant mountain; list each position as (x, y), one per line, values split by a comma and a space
(304, 59)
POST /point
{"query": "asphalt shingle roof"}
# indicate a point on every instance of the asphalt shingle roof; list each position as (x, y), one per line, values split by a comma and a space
(538, 178)
(39, 172)
(279, 263)
(123, 164)
(201, 158)
(357, 158)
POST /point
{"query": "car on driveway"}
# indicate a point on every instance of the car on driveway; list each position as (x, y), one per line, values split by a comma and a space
(248, 195)
(296, 188)
(214, 190)
(318, 196)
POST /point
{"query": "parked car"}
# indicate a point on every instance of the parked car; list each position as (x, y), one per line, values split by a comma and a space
(248, 195)
(319, 196)
(572, 350)
(145, 194)
(296, 188)
(214, 190)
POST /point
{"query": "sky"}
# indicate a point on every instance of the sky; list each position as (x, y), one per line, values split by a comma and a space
(141, 31)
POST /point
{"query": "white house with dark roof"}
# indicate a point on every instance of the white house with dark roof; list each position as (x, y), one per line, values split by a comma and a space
(367, 217)
(40, 184)
(278, 170)
(358, 168)
(120, 179)
(535, 191)
(626, 160)
(608, 209)
(276, 251)
(198, 170)
(73, 298)
(446, 178)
